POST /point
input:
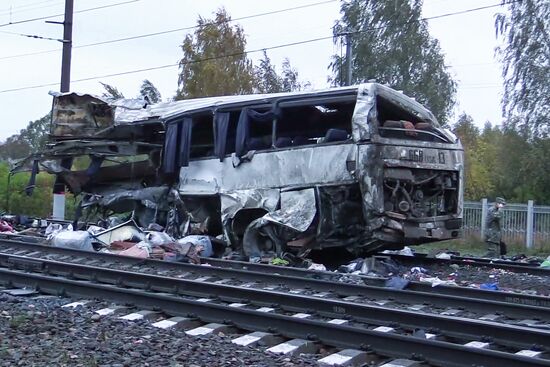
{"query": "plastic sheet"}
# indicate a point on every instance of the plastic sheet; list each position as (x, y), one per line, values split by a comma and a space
(76, 240)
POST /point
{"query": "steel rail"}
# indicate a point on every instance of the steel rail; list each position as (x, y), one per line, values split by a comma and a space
(395, 345)
(517, 298)
(510, 304)
(515, 267)
(454, 326)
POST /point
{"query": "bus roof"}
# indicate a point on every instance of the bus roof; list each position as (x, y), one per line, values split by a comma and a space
(135, 111)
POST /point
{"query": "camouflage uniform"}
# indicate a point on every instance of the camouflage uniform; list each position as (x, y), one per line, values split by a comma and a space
(493, 230)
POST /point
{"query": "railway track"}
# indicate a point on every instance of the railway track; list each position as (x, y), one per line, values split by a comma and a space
(512, 266)
(230, 296)
(441, 299)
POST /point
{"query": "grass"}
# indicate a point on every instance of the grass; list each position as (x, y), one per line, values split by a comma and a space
(474, 246)
(17, 321)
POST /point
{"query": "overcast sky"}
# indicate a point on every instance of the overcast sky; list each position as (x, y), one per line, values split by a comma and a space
(468, 41)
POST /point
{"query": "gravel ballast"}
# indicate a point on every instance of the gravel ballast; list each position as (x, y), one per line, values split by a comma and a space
(37, 331)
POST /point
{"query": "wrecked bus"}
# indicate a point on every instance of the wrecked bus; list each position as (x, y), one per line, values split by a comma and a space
(359, 168)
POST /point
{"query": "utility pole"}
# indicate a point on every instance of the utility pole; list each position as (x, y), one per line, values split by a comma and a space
(67, 46)
(59, 187)
(348, 58)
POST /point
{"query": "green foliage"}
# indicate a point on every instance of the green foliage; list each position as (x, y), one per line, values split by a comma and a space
(504, 161)
(267, 79)
(477, 247)
(391, 44)
(111, 91)
(13, 198)
(223, 69)
(476, 175)
(290, 78)
(29, 140)
(19, 320)
(525, 55)
(150, 92)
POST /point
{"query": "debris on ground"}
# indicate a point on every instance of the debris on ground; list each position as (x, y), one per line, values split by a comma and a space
(318, 267)
(489, 286)
(397, 283)
(405, 251)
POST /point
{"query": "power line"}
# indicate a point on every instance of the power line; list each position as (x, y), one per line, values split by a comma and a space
(247, 17)
(76, 12)
(172, 65)
(29, 7)
(445, 15)
(10, 8)
(240, 53)
(32, 36)
(174, 30)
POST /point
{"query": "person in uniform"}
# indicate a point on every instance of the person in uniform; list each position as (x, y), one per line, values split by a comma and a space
(493, 230)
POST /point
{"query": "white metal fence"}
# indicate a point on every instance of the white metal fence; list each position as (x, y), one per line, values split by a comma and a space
(521, 223)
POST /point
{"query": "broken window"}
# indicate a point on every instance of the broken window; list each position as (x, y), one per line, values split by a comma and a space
(177, 145)
(202, 137)
(254, 130)
(226, 132)
(314, 123)
(398, 122)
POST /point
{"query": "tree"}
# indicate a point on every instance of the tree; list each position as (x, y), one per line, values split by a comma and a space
(476, 173)
(214, 60)
(36, 133)
(29, 140)
(267, 79)
(392, 45)
(290, 80)
(149, 92)
(525, 55)
(111, 91)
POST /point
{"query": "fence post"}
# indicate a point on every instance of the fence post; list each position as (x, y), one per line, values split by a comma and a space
(483, 217)
(529, 232)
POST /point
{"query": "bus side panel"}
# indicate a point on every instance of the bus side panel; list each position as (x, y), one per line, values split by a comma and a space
(292, 168)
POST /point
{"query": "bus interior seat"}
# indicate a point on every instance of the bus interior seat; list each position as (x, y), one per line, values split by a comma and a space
(257, 144)
(393, 123)
(422, 126)
(335, 135)
(300, 140)
(283, 142)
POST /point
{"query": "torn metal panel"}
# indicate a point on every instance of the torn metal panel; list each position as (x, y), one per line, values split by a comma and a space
(404, 102)
(366, 101)
(150, 197)
(76, 115)
(297, 210)
(127, 231)
(93, 113)
(299, 167)
(233, 201)
(340, 215)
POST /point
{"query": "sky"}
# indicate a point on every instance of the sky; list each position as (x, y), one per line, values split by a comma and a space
(467, 40)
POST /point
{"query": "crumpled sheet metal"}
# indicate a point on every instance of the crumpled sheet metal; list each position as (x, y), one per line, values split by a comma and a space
(366, 100)
(297, 210)
(80, 115)
(233, 201)
(150, 197)
(319, 164)
(370, 179)
(126, 231)
(104, 112)
(128, 111)
(365, 109)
